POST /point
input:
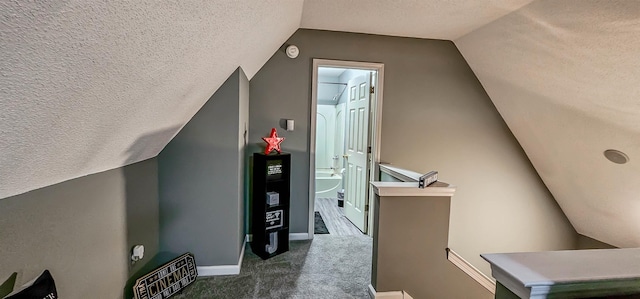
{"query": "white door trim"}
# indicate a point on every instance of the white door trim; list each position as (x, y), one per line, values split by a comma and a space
(376, 122)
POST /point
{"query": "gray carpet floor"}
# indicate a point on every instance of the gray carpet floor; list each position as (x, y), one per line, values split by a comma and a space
(327, 267)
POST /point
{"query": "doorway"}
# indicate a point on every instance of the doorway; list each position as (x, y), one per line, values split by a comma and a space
(345, 133)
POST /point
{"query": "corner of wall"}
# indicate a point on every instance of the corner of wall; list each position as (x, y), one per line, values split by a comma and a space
(201, 174)
(584, 242)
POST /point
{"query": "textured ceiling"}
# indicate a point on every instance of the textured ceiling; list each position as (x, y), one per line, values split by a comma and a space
(86, 88)
(435, 19)
(565, 76)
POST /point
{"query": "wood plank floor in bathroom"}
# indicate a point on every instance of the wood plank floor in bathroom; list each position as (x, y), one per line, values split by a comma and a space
(334, 217)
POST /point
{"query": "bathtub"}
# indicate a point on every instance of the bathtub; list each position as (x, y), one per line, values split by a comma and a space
(326, 184)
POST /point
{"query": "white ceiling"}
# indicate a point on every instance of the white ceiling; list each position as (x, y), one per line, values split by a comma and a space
(435, 19)
(565, 76)
(86, 88)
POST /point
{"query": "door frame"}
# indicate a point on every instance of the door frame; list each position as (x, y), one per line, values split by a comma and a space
(375, 123)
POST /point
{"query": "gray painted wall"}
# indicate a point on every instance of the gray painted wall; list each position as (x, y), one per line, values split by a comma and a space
(436, 116)
(201, 175)
(585, 242)
(409, 250)
(83, 230)
(243, 165)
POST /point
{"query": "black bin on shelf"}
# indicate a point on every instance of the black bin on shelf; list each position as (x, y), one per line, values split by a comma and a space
(270, 195)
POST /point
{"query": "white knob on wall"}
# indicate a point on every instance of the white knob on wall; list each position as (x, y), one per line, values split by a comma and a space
(138, 253)
(290, 124)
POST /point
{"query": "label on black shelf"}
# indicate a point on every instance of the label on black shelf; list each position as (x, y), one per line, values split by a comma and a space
(274, 169)
(274, 219)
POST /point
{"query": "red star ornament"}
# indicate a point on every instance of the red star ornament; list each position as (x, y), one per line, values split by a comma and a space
(273, 142)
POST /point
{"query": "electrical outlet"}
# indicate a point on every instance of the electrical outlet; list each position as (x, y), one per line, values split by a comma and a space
(138, 253)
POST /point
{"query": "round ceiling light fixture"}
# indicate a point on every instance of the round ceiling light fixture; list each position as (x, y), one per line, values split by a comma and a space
(292, 51)
(616, 156)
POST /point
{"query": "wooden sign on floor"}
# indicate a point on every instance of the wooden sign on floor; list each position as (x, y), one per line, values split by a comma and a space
(168, 279)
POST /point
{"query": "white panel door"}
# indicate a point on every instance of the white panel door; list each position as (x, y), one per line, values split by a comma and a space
(357, 145)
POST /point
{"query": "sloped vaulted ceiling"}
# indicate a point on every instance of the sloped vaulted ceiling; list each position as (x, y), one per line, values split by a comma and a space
(433, 19)
(87, 87)
(565, 76)
(91, 86)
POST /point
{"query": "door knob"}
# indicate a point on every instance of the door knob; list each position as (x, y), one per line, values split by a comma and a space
(346, 156)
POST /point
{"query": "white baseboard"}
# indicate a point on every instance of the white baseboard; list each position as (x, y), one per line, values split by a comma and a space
(292, 237)
(472, 271)
(298, 236)
(372, 291)
(204, 271)
(387, 295)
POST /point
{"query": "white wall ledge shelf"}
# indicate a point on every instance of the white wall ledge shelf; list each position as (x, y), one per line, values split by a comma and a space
(400, 173)
(568, 274)
(411, 189)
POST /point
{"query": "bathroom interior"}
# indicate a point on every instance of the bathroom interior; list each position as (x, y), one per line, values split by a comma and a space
(331, 128)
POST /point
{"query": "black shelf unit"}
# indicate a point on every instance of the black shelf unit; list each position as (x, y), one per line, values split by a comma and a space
(270, 222)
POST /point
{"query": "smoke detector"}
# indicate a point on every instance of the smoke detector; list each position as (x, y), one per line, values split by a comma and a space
(292, 51)
(616, 156)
